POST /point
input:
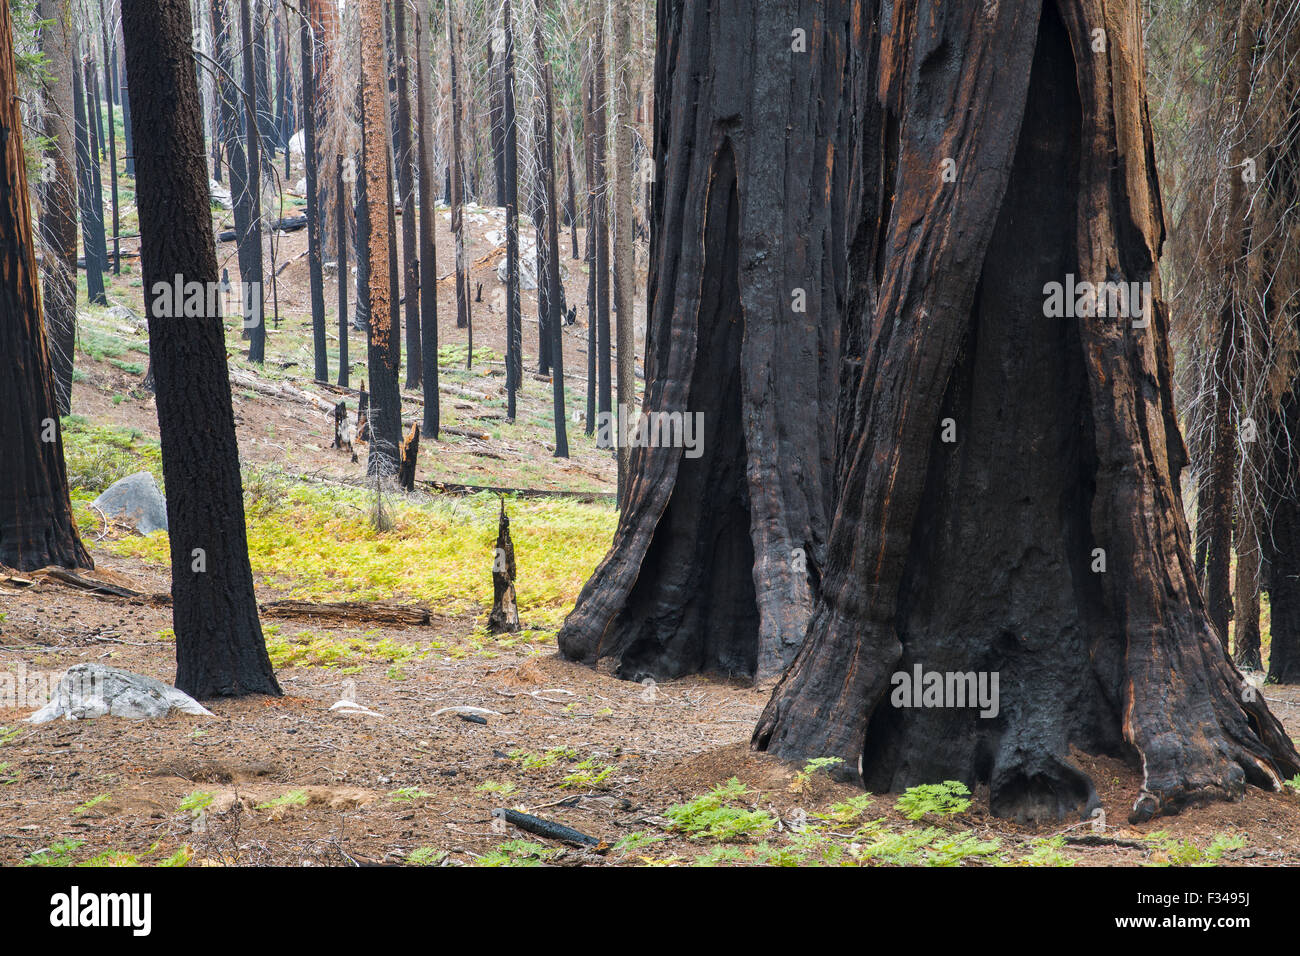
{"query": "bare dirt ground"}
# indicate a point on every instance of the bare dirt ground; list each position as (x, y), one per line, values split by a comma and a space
(289, 781)
(292, 782)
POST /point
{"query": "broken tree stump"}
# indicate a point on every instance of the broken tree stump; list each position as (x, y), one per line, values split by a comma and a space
(363, 415)
(410, 451)
(504, 618)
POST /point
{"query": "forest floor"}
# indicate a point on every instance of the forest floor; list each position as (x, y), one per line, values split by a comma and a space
(660, 774)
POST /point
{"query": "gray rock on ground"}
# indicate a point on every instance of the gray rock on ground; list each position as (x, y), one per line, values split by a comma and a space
(85, 691)
(136, 498)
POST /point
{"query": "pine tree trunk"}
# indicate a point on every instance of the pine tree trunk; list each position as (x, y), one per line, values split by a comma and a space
(308, 31)
(624, 252)
(110, 57)
(220, 650)
(342, 193)
(514, 329)
(428, 222)
(36, 526)
(604, 385)
(92, 221)
(58, 195)
(384, 416)
(253, 297)
(1046, 542)
(406, 195)
(496, 121)
(457, 171)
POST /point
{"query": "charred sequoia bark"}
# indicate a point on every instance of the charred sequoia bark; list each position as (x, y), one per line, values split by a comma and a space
(220, 650)
(58, 194)
(982, 554)
(428, 222)
(36, 526)
(715, 562)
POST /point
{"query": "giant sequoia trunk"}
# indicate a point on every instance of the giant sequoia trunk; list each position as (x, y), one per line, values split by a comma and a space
(219, 646)
(36, 527)
(715, 562)
(1046, 543)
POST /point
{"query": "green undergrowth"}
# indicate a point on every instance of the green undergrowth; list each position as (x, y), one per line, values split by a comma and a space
(98, 455)
(318, 542)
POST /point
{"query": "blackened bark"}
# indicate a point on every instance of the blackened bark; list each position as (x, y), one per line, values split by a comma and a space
(308, 31)
(457, 167)
(604, 386)
(254, 299)
(589, 144)
(92, 222)
(58, 195)
(341, 194)
(715, 561)
(555, 298)
(406, 195)
(948, 556)
(220, 650)
(383, 362)
(110, 58)
(504, 618)
(514, 328)
(428, 222)
(36, 526)
(124, 98)
(1282, 544)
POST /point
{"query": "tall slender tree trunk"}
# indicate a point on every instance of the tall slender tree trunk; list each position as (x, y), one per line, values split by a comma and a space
(406, 195)
(496, 120)
(125, 98)
(589, 143)
(624, 251)
(514, 330)
(341, 193)
(254, 297)
(110, 59)
(428, 221)
(58, 194)
(220, 650)
(457, 170)
(556, 297)
(310, 110)
(90, 208)
(604, 385)
(36, 526)
(1066, 571)
(385, 414)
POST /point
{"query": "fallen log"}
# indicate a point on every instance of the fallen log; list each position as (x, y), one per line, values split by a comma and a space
(453, 488)
(280, 390)
(368, 612)
(550, 829)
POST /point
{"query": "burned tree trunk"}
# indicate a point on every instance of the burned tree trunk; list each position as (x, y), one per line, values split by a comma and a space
(341, 194)
(58, 193)
(715, 563)
(384, 414)
(514, 328)
(496, 122)
(110, 59)
(410, 453)
(92, 222)
(309, 30)
(504, 618)
(428, 221)
(405, 157)
(604, 386)
(254, 300)
(1009, 502)
(220, 650)
(457, 172)
(36, 526)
